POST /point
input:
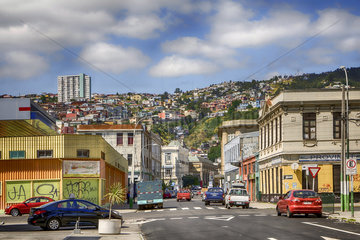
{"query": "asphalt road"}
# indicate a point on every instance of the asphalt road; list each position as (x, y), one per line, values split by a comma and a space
(194, 220)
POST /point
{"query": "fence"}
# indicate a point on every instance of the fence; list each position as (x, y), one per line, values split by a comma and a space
(328, 202)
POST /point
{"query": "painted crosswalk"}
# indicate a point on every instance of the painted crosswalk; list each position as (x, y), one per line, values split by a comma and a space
(197, 208)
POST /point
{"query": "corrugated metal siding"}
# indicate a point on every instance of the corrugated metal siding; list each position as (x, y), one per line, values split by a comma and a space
(25, 169)
(114, 175)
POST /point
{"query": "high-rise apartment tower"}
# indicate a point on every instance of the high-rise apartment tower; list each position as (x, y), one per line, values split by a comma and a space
(77, 87)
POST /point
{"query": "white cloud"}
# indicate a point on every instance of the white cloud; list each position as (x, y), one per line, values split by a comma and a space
(21, 65)
(175, 66)
(113, 58)
(236, 27)
(142, 27)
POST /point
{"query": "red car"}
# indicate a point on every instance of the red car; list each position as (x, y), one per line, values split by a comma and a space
(183, 195)
(24, 207)
(166, 194)
(300, 202)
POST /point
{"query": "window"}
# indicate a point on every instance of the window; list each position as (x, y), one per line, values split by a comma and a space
(102, 155)
(280, 133)
(119, 139)
(309, 126)
(17, 154)
(261, 138)
(83, 153)
(337, 125)
(168, 172)
(130, 138)
(44, 153)
(86, 205)
(268, 135)
(129, 157)
(272, 132)
(98, 134)
(276, 130)
(167, 158)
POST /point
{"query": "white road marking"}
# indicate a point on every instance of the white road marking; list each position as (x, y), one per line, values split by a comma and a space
(173, 209)
(209, 207)
(147, 210)
(260, 215)
(193, 217)
(185, 208)
(176, 218)
(335, 229)
(160, 210)
(272, 239)
(244, 215)
(327, 238)
(222, 208)
(197, 208)
(222, 218)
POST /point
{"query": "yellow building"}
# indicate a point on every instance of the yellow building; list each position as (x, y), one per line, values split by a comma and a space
(33, 163)
(302, 129)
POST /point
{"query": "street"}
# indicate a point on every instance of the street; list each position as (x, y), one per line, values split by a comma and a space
(194, 220)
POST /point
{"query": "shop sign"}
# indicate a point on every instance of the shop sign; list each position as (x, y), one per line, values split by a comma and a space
(288, 177)
(324, 157)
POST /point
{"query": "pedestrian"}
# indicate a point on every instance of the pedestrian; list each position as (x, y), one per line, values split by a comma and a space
(128, 197)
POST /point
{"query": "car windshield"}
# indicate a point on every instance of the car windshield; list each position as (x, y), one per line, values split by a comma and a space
(238, 192)
(305, 194)
(215, 190)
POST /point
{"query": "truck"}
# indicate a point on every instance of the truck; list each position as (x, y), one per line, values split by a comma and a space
(149, 194)
(214, 195)
(237, 197)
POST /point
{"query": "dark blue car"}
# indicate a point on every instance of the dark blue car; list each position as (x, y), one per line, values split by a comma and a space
(63, 213)
(214, 195)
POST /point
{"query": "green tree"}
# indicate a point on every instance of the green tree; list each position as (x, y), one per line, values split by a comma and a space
(214, 153)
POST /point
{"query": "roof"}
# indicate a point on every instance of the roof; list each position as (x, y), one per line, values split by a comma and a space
(108, 127)
(24, 128)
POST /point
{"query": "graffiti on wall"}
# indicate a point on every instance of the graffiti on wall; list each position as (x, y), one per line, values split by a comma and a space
(19, 191)
(325, 188)
(87, 189)
(48, 189)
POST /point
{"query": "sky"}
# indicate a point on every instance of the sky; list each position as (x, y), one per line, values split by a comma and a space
(153, 46)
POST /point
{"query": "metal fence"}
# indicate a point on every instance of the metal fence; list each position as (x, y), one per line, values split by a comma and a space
(328, 202)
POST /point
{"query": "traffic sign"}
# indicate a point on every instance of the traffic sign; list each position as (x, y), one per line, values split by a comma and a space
(351, 166)
(314, 171)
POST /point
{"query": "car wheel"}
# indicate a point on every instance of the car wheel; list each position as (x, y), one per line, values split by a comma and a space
(223, 203)
(177, 200)
(306, 215)
(288, 213)
(278, 212)
(189, 199)
(15, 212)
(319, 215)
(53, 224)
(247, 206)
(207, 203)
(243, 207)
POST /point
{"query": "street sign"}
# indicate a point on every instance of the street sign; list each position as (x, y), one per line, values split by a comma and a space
(351, 166)
(314, 171)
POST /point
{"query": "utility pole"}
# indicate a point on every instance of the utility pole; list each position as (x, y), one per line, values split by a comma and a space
(342, 161)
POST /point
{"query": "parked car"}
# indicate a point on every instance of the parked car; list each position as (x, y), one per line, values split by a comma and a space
(173, 193)
(300, 202)
(64, 213)
(214, 195)
(237, 197)
(166, 194)
(183, 195)
(24, 207)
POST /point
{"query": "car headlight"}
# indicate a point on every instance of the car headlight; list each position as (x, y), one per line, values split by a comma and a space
(8, 207)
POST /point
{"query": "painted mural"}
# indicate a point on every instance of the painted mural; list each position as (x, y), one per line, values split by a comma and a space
(81, 168)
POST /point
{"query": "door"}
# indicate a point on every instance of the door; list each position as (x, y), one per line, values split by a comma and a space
(89, 213)
(28, 204)
(67, 212)
(283, 203)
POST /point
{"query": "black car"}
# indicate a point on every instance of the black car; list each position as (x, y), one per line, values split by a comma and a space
(65, 213)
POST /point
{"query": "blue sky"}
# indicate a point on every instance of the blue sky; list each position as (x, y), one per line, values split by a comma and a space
(155, 46)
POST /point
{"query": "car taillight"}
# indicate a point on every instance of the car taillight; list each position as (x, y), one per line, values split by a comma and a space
(223, 195)
(318, 201)
(38, 212)
(295, 201)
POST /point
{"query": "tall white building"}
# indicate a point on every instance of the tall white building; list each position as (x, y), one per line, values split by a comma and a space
(76, 87)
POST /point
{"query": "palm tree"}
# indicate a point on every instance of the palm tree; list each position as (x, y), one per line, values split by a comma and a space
(116, 194)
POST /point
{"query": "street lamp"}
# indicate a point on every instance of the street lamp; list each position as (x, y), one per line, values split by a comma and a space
(131, 200)
(347, 145)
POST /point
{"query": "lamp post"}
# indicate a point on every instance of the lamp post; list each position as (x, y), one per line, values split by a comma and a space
(131, 201)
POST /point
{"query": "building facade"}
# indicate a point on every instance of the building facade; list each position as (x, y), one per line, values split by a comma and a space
(202, 168)
(135, 143)
(302, 129)
(175, 163)
(74, 87)
(57, 166)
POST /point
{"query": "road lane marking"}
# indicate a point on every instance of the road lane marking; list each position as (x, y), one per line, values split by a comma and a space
(222, 218)
(197, 208)
(173, 209)
(272, 239)
(209, 207)
(244, 215)
(331, 228)
(185, 208)
(160, 210)
(147, 210)
(193, 217)
(176, 218)
(260, 215)
(222, 208)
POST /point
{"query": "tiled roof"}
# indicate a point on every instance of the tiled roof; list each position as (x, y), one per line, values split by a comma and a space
(108, 127)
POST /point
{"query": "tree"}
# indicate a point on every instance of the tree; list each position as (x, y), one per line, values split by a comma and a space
(214, 153)
(116, 194)
(177, 90)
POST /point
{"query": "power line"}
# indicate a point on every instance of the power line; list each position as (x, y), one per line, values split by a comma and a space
(292, 50)
(76, 55)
